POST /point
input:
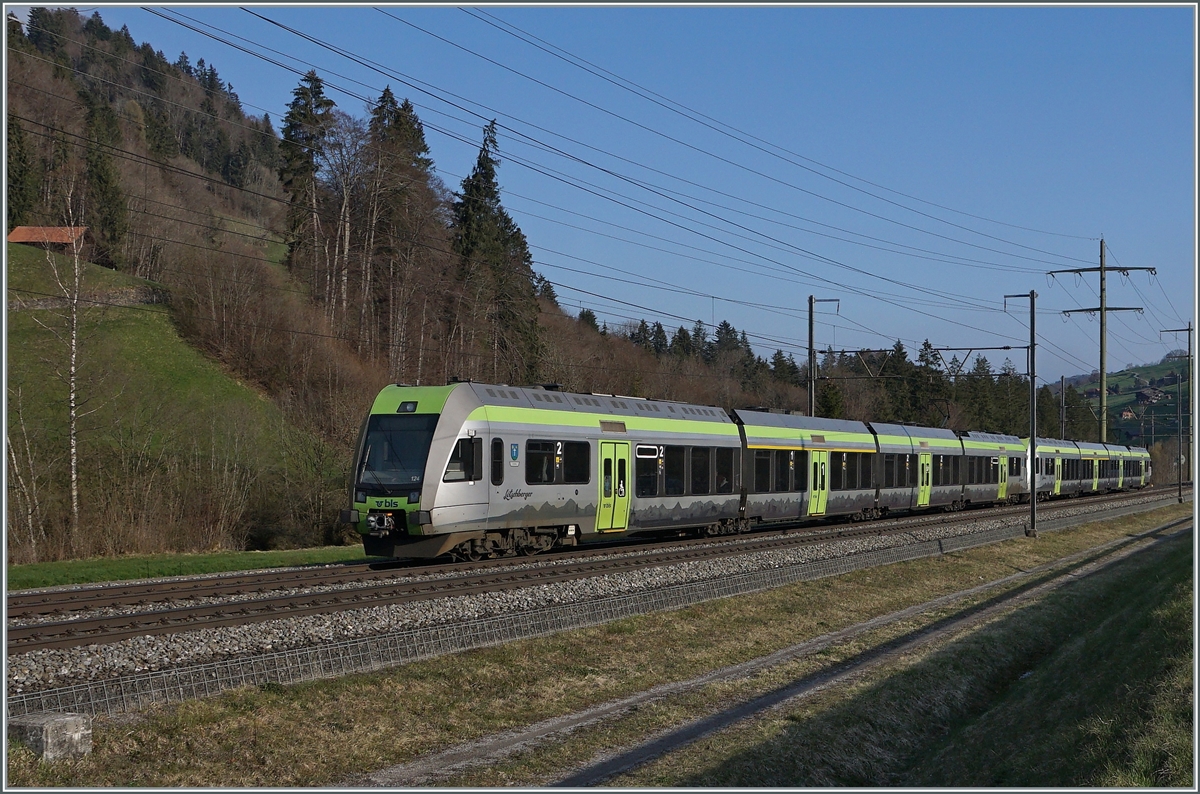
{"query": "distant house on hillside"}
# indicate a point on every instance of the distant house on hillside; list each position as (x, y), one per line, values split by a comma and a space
(55, 238)
(1128, 414)
(1092, 394)
(1149, 396)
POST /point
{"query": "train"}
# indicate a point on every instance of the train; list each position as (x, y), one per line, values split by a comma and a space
(476, 470)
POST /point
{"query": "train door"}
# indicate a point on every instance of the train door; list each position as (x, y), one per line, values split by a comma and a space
(818, 491)
(1058, 467)
(925, 474)
(613, 514)
(1003, 478)
(1120, 474)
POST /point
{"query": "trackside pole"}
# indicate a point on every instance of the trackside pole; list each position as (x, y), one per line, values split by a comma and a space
(1031, 530)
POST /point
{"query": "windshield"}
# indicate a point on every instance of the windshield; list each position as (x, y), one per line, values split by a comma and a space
(395, 450)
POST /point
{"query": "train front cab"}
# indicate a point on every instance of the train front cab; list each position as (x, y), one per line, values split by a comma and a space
(401, 454)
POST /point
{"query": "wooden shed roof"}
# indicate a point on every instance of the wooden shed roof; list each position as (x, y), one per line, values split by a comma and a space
(46, 234)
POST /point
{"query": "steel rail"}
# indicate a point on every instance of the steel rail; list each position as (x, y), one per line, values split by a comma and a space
(61, 601)
(112, 628)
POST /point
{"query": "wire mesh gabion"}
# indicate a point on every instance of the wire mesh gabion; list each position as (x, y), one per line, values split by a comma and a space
(377, 652)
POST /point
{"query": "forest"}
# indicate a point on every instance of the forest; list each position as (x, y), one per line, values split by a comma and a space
(312, 259)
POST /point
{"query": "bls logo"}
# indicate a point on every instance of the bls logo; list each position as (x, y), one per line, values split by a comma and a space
(387, 503)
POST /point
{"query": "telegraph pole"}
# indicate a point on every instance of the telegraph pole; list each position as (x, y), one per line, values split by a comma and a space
(1185, 458)
(812, 351)
(1104, 309)
(1032, 531)
(1062, 409)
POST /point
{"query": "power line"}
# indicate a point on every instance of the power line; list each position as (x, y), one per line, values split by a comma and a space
(624, 83)
(735, 164)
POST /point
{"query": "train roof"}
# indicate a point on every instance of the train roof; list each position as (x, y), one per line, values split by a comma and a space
(906, 439)
(614, 404)
(798, 431)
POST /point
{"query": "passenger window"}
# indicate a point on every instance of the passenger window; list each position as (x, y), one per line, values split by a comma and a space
(701, 470)
(762, 471)
(576, 462)
(497, 461)
(674, 470)
(646, 470)
(783, 471)
(607, 477)
(801, 461)
(837, 470)
(724, 471)
(539, 462)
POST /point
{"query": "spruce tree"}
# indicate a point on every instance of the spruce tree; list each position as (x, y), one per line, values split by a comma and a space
(22, 176)
(495, 255)
(305, 126)
(681, 343)
(105, 208)
(587, 318)
(658, 340)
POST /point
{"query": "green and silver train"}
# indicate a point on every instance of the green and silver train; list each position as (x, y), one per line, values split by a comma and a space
(479, 470)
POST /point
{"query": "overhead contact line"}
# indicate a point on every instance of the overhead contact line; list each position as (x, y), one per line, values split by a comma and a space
(725, 160)
(623, 83)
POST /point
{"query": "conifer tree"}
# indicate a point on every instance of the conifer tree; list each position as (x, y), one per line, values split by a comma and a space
(104, 204)
(495, 255)
(587, 318)
(658, 340)
(681, 343)
(701, 347)
(305, 126)
(22, 176)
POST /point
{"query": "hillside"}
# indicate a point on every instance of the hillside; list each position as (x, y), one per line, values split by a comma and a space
(175, 453)
(1151, 422)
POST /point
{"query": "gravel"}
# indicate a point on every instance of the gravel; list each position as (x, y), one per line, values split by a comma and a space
(48, 669)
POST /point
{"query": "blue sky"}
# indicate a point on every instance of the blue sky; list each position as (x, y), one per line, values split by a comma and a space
(915, 163)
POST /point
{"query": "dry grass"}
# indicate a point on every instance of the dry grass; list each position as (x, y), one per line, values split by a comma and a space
(323, 732)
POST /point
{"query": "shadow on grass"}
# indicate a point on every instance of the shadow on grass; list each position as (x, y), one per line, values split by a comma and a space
(1009, 705)
(877, 736)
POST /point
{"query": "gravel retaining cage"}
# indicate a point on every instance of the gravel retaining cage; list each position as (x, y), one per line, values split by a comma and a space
(377, 652)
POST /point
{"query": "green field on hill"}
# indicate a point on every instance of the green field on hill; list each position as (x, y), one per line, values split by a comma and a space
(1151, 423)
(162, 426)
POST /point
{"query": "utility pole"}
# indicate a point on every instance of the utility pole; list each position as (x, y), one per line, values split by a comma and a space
(1032, 531)
(1062, 409)
(1104, 309)
(1185, 458)
(812, 351)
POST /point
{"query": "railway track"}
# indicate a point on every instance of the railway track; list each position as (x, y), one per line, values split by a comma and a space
(155, 607)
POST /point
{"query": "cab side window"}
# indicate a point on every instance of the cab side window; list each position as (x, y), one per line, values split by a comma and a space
(466, 461)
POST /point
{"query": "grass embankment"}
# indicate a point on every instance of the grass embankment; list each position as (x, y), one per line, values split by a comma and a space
(323, 732)
(132, 358)
(1089, 687)
(165, 432)
(150, 566)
